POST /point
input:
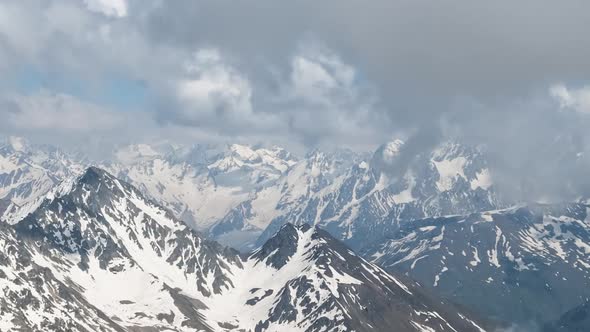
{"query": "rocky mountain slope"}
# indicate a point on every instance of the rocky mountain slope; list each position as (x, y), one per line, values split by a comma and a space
(574, 320)
(97, 255)
(529, 263)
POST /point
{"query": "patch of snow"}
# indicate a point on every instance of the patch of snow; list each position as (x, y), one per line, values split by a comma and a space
(482, 180)
(448, 171)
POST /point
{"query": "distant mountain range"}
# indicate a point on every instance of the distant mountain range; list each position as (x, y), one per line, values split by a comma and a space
(432, 216)
(235, 192)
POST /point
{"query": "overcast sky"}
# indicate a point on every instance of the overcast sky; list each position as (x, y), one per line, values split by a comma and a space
(513, 75)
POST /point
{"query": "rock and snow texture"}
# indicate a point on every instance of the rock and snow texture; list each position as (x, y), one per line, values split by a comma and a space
(27, 173)
(32, 298)
(529, 263)
(200, 184)
(98, 256)
(128, 257)
(238, 194)
(312, 282)
(367, 199)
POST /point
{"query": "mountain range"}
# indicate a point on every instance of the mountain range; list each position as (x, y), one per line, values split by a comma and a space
(431, 222)
(96, 255)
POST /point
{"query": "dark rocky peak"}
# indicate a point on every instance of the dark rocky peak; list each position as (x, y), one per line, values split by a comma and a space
(386, 155)
(277, 251)
(95, 178)
(317, 246)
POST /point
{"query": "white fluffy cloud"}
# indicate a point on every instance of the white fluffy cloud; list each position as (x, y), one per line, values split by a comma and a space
(212, 87)
(572, 99)
(318, 78)
(325, 98)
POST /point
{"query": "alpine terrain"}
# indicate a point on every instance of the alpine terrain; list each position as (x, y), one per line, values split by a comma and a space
(168, 212)
(97, 255)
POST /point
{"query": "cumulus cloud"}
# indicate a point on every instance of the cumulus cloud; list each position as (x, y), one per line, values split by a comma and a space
(211, 94)
(316, 98)
(213, 87)
(572, 99)
(323, 99)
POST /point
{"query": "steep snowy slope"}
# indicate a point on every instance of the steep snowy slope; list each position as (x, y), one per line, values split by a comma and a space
(255, 165)
(28, 172)
(529, 263)
(121, 261)
(238, 194)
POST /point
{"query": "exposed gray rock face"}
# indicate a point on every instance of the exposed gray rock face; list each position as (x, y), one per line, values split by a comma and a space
(530, 263)
(104, 239)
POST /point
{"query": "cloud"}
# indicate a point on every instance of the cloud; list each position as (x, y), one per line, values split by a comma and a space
(315, 99)
(56, 112)
(317, 73)
(213, 88)
(115, 8)
(211, 94)
(318, 78)
(572, 99)
(323, 99)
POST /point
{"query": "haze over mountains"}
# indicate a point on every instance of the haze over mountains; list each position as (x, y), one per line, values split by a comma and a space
(435, 217)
